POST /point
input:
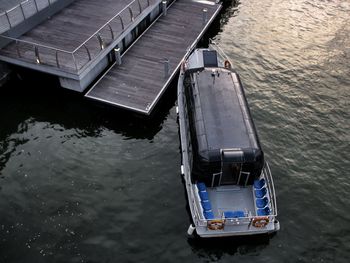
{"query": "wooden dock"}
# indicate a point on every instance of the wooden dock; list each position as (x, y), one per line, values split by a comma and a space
(76, 40)
(14, 13)
(73, 37)
(140, 80)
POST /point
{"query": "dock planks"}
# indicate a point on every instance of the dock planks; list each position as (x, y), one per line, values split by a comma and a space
(140, 80)
(68, 29)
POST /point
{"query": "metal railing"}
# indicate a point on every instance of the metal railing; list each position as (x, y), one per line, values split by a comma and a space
(248, 219)
(19, 13)
(73, 61)
(220, 51)
(271, 188)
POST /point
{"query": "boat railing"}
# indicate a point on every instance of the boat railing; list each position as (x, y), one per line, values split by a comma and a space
(270, 188)
(249, 219)
(75, 60)
(195, 200)
(22, 11)
(218, 49)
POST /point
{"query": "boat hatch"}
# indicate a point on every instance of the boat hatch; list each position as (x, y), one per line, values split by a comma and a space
(210, 58)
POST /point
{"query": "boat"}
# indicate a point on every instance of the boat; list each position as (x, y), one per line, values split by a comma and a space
(229, 184)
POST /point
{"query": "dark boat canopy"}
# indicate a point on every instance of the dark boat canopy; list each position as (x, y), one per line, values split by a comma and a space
(221, 125)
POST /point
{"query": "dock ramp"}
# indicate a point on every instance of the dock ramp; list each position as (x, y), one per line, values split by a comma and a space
(150, 64)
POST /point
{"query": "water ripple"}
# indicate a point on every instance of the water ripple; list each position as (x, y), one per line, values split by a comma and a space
(80, 184)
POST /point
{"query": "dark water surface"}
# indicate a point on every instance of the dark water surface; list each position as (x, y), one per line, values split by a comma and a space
(79, 183)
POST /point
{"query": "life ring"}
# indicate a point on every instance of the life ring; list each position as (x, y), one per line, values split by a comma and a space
(227, 64)
(216, 224)
(260, 221)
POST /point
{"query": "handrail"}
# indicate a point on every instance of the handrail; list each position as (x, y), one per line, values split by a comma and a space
(238, 219)
(212, 42)
(35, 44)
(13, 8)
(21, 6)
(219, 50)
(72, 54)
(36, 47)
(272, 187)
(106, 24)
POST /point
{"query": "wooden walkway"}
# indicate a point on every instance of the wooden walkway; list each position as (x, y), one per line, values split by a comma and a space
(140, 80)
(65, 32)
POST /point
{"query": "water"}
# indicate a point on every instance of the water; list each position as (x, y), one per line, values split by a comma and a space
(80, 183)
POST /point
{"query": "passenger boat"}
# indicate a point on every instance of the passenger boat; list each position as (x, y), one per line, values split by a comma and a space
(229, 185)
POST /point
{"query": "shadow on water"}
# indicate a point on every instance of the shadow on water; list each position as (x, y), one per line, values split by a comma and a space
(45, 101)
(33, 97)
(229, 9)
(215, 248)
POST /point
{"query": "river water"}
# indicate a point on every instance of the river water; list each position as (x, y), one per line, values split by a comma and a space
(81, 183)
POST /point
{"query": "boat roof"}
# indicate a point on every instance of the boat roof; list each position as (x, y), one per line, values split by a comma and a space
(222, 117)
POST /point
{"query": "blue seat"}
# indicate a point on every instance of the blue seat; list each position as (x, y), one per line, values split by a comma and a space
(203, 195)
(260, 193)
(258, 184)
(234, 214)
(264, 211)
(261, 203)
(209, 215)
(201, 186)
(206, 205)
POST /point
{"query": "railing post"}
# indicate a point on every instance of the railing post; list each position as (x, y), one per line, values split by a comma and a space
(164, 3)
(111, 30)
(118, 57)
(100, 40)
(131, 14)
(205, 16)
(37, 55)
(36, 6)
(75, 62)
(24, 16)
(8, 19)
(57, 62)
(166, 67)
(121, 21)
(17, 49)
(140, 7)
(87, 51)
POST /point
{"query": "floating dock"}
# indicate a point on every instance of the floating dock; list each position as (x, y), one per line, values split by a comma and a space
(139, 44)
(152, 62)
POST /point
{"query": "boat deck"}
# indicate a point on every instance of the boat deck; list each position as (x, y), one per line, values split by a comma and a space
(231, 198)
(141, 79)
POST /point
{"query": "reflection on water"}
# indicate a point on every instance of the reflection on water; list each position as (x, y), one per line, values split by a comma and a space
(293, 58)
(219, 248)
(83, 183)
